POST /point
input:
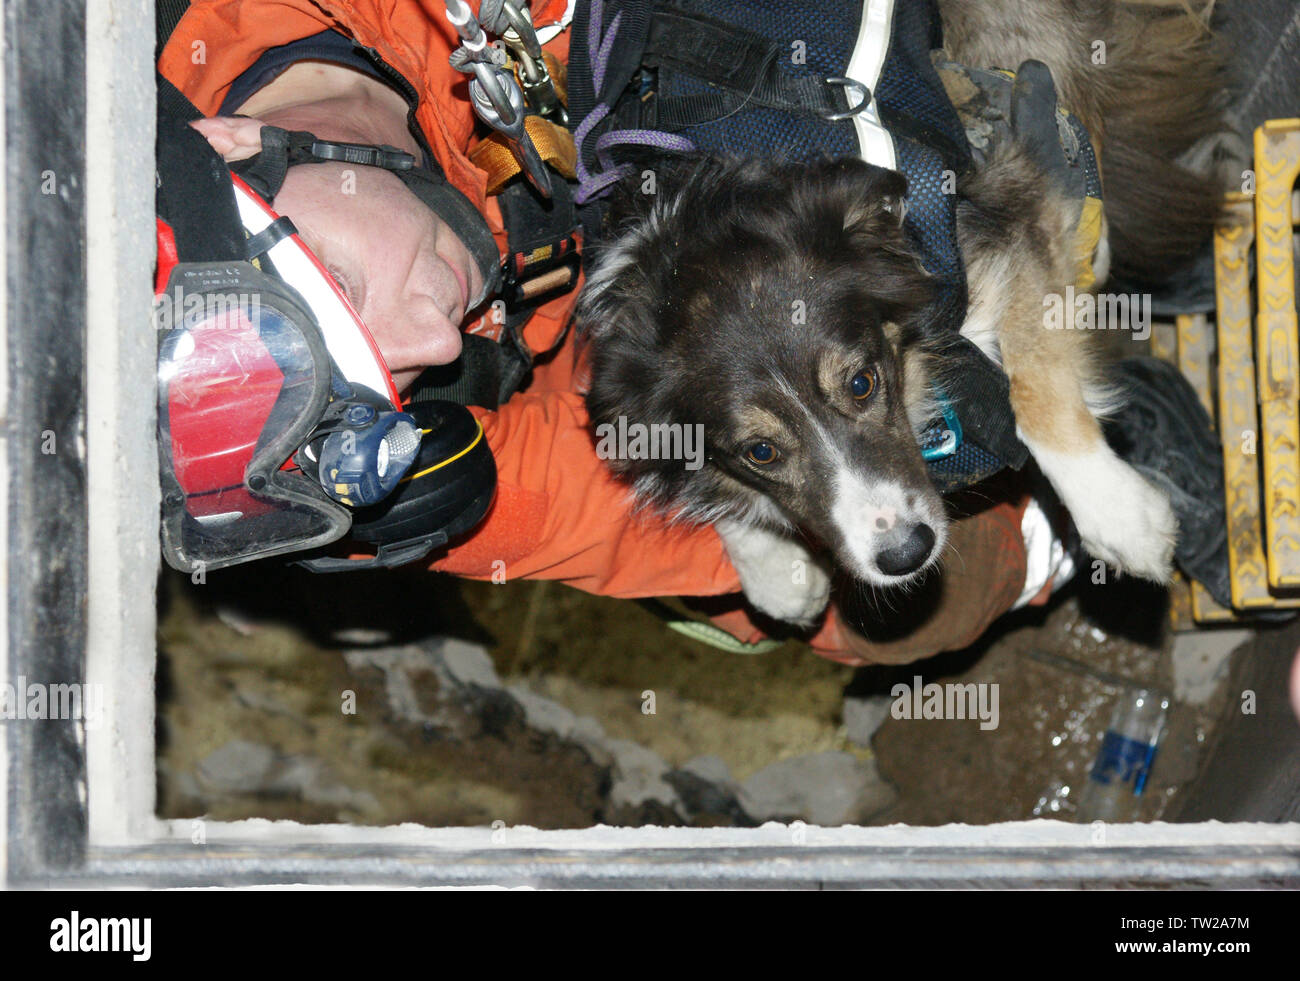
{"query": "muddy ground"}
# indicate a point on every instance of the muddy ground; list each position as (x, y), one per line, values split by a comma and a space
(335, 698)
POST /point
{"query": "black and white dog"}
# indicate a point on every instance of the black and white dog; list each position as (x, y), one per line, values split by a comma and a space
(776, 305)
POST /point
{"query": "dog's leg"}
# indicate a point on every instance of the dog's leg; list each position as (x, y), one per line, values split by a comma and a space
(1121, 518)
(1017, 236)
(779, 576)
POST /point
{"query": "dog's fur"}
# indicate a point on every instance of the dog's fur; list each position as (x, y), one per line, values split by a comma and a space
(747, 295)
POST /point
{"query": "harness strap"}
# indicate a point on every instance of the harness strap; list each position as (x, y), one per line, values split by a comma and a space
(474, 378)
(270, 236)
(743, 64)
(196, 200)
(554, 145)
(542, 262)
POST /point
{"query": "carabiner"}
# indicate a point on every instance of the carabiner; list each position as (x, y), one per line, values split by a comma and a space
(521, 38)
(516, 135)
(496, 96)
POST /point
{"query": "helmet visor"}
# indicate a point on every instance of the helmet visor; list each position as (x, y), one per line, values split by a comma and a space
(243, 377)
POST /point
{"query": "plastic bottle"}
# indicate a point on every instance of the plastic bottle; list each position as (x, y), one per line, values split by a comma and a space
(1119, 773)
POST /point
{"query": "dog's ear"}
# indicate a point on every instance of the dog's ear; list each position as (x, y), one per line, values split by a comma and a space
(859, 209)
(876, 201)
(626, 277)
(866, 201)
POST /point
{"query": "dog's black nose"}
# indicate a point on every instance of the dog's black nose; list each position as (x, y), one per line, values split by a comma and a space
(910, 555)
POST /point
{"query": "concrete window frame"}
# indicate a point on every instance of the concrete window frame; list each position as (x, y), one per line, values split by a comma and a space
(77, 806)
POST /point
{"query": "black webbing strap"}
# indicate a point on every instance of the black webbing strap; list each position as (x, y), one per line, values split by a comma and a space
(539, 241)
(269, 237)
(282, 149)
(983, 388)
(623, 61)
(540, 237)
(195, 196)
(742, 63)
(167, 14)
(474, 378)
(265, 172)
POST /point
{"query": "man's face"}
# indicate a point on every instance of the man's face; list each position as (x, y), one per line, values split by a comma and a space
(405, 271)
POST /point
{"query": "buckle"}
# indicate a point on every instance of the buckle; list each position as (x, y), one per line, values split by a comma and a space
(362, 154)
(848, 83)
(942, 439)
(550, 270)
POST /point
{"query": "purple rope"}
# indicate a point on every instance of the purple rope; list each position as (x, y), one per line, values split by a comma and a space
(644, 137)
(589, 184)
(580, 137)
(594, 34)
(601, 61)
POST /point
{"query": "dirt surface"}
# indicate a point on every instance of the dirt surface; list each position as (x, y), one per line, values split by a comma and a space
(1059, 681)
(254, 716)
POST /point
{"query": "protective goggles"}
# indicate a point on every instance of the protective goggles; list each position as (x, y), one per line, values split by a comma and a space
(277, 414)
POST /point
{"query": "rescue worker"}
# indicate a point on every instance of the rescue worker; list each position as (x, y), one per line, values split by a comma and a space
(339, 70)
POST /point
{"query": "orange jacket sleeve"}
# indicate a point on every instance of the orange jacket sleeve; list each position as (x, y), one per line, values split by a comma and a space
(559, 514)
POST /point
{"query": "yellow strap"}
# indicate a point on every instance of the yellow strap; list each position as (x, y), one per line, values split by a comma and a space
(1086, 237)
(554, 145)
(450, 459)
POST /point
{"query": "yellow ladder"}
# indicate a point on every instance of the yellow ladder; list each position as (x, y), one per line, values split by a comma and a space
(1258, 418)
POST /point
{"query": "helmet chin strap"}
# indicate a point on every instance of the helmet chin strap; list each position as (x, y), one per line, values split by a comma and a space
(281, 149)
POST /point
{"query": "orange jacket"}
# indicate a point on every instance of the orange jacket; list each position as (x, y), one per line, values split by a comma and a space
(558, 514)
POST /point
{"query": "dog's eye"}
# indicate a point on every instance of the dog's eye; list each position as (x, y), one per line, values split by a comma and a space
(762, 453)
(863, 384)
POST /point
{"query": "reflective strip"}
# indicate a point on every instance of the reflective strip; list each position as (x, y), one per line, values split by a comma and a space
(714, 636)
(346, 337)
(865, 66)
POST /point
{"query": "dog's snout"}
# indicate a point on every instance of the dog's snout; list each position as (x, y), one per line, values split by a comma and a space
(909, 555)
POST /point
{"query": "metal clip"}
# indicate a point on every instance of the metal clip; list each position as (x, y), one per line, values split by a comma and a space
(538, 86)
(517, 138)
(497, 97)
(856, 86)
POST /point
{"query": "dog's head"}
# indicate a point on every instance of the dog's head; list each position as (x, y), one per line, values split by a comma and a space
(776, 307)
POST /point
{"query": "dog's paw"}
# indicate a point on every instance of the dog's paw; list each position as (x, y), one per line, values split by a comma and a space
(1125, 521)
(779, 576)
